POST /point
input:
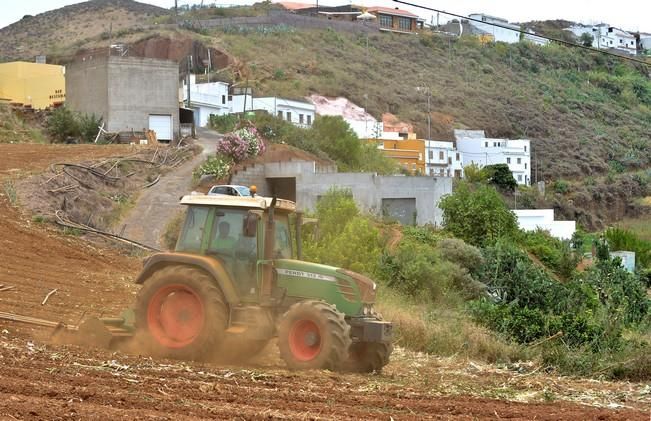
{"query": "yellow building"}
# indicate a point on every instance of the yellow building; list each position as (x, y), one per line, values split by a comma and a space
(32, 84)
(409, 153)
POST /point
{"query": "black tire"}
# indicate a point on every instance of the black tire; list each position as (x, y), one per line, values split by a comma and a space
(328, 335)
(207, 326)
(368, 357)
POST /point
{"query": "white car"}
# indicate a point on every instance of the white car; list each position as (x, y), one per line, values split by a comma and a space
(230, 190)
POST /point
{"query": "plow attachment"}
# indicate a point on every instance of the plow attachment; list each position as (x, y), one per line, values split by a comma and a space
(104, 332)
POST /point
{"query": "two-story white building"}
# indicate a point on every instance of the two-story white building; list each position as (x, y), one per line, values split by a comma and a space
(219, 98)
(442, 159)
(505, 32)
(476, 148)
(607, 37)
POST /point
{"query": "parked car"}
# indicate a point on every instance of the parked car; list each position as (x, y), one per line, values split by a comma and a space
(230, 190)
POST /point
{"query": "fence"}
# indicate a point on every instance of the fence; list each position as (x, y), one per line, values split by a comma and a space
(275, 18)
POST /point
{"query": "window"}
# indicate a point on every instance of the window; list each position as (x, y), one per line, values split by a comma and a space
(442, 172)
(223, 99)
(449, 160)
(458, 156)
(280, 114)
(494, 144)
(519, 160)
(283, 240)
(192, 235)
(485, 144)
(525, 148)
(230, 98)
(441, 156)
(519, 177)
(386, 21)
(525, 165)
(309, 120)
(430, 155)
(508, 160)
(300, 118)
(404, 24)
(289, 116)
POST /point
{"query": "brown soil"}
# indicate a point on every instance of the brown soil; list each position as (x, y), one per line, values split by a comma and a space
(65, 382)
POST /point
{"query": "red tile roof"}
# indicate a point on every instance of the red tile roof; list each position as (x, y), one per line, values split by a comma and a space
(292, 5)
(390, 11)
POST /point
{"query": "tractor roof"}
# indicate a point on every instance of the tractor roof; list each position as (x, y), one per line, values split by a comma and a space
(257, 202)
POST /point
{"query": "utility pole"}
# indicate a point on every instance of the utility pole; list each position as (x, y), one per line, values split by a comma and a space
(176, 12)
(188, 78)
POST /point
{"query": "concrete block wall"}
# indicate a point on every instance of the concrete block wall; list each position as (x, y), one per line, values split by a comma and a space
(252, 175)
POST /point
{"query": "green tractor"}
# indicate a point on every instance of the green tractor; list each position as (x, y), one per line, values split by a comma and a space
(232, 285)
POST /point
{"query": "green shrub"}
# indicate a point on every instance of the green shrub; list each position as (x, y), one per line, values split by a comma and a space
(88, 126)
(62, 124)
(477, 215)
(561, 186)
(217, 166)
(500, 176)
(624, 240)
(223, 123)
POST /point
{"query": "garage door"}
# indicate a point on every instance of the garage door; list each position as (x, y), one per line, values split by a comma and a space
(162, 125)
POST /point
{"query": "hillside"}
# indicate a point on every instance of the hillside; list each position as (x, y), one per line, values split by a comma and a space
(50, 32)
(588, 115)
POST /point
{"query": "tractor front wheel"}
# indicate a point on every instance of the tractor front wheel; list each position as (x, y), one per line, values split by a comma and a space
(181, 313)
(313, 335)
(368, 357)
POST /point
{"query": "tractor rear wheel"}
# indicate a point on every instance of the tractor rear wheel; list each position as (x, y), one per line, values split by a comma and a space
(181, 313)
(313, 335)
(368, 357)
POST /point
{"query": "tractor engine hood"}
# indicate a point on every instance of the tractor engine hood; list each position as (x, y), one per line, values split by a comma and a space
(344, 279)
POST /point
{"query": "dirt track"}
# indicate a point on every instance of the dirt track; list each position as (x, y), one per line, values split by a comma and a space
(65, 382)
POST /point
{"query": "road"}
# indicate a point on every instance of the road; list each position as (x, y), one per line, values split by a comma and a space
(156, 206)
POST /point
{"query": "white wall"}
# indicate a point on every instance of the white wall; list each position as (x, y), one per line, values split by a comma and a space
(533, 219)
(605, 36)
(442, 159)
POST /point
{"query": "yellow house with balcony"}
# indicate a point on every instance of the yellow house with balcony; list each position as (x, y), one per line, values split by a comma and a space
(32, 84)
(410, 153)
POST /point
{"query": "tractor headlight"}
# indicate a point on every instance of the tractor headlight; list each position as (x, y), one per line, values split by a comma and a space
(366, 310)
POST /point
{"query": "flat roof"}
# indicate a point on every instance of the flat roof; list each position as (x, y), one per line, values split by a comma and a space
(257, 202)
(390, 11)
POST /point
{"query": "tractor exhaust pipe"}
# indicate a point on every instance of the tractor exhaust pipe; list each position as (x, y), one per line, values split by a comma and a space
(269, 246)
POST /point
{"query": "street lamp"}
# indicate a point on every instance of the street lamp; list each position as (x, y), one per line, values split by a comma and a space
(429, 109)
(366, 17)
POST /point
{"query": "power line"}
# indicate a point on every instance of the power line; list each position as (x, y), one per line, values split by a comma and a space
(571, 44)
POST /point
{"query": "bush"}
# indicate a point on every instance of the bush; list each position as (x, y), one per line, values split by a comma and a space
(500, 176)
(62, 124)
(217, 166)
(477, 215)
(223, 123)
(88, 127)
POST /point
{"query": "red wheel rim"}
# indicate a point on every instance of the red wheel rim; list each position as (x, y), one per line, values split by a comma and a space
(175, 316)
(305, 340)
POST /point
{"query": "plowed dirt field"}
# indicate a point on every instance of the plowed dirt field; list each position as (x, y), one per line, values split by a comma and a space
(41, 381)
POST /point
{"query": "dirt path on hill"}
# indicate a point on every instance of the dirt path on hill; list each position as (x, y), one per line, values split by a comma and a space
(147, 220)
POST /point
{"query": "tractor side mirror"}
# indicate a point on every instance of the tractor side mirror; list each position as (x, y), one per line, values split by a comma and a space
(250, 228)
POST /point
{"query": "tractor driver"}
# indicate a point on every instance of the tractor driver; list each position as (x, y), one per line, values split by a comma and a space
(223, 242)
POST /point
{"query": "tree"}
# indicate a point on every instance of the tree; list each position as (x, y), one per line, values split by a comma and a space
(474, 174)
(500, 176)
(62, 124)
(477, 215)
(335, 137)
(586, 39)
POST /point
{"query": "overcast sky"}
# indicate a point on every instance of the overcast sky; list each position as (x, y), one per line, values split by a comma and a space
(632, 15)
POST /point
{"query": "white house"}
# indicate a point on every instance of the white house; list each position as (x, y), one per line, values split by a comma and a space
(645, 41)
(299, 113)
(206, 99)
(606, 37)
(510, 34)
(442, 159)
(219, 98)
(533, 219)
(476, 148)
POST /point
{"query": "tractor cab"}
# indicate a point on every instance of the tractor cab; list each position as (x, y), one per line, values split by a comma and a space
(232, 230)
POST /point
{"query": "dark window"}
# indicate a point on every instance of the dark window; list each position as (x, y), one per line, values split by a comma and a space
(525, 165)
(289, 116)
(485, 144)
(300, 118)
(441, 157)
(508, 160)
(223, 99)
(457, 156)
(525, 148)
(404, 24)
(519, 160)
(309, 120)
(386, 21)
(430, 154)
(230, 97)
(280, 114)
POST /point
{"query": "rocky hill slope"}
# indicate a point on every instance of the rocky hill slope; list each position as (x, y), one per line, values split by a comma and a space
(52, 31)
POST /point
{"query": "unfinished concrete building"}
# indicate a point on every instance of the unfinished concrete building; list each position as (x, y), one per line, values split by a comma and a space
(129, 93)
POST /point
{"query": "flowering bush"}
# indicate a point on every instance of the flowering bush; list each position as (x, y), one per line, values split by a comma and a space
(241, 144)
(219, 166)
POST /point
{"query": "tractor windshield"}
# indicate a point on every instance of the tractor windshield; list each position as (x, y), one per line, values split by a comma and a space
(193, 229)
(283, 243)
